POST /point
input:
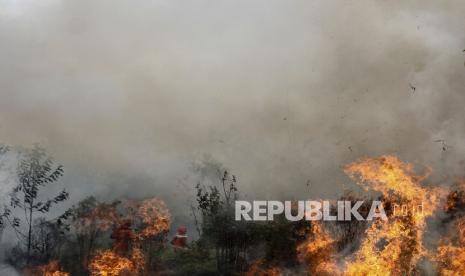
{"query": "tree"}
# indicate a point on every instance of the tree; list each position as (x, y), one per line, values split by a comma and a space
(4, 212)
(48, 239)
(36, 169)
(88, 221)
(230, 238)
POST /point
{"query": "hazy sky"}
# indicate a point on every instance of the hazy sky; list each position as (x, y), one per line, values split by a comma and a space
(128, 94)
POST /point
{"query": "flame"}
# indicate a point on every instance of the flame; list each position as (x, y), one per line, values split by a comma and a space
(397, 181)
(451, 255)
(50, 269)
(102, 218)
(318, 252)
(137, 258)
(455, 200)
(392, 247)
(259, 268)
(155, 218)
(155, 215)
(108, 263)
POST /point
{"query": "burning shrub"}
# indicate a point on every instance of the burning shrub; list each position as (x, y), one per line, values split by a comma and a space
(108, 263)
(156, 217)
(450, 256)
(127, 255)
(50, 269)
(318, 252)
(455, 201)
(261, 268)
(392, 247)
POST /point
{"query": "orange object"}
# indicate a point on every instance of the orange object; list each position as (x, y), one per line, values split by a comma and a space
(180, 240)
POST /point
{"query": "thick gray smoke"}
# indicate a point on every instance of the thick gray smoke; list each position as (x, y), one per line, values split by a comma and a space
(128, 94)
(8, 162)
(6, 270)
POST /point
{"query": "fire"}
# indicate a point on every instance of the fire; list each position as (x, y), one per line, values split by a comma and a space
(318, 252)
(137, 258)
(397, 181)
(455, 201)
(108, 263)
(155, 218)
(50, 269)
(392, 259)
(259, 268)
(392, 247)
(155, 215)
(101, 218)
(451, 255)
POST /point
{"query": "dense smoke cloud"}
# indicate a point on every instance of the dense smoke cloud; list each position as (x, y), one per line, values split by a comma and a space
(8, 270)
(128, 95)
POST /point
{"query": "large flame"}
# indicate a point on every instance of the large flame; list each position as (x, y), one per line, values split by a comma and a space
(392, 247)
(318, 252)
(108, 263)
(450, 257)
(451, 254)
(155, 215)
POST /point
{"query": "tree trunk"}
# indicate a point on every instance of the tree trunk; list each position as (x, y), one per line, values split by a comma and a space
(29, 236)
(1, 233)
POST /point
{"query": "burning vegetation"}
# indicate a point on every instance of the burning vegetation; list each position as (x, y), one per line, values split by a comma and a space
(318, 252)
(130, 237)
(261, 268)
(392, 247)
(50, 269)
(155, 216)
(127, 256)
(451, 252)
(108, 263)
(450, 256)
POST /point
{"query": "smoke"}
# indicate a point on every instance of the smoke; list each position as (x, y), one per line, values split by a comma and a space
(127, 96)
(7, 182)
(8, 161)
(7, 270)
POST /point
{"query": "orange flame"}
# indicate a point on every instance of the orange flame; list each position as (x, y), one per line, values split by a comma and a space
(451, 255)
(155, 215)
(102, 217)
(259, 268)
(156, 219)
(318, 252)
(108, 263)
(50, 269)
(392, 247)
